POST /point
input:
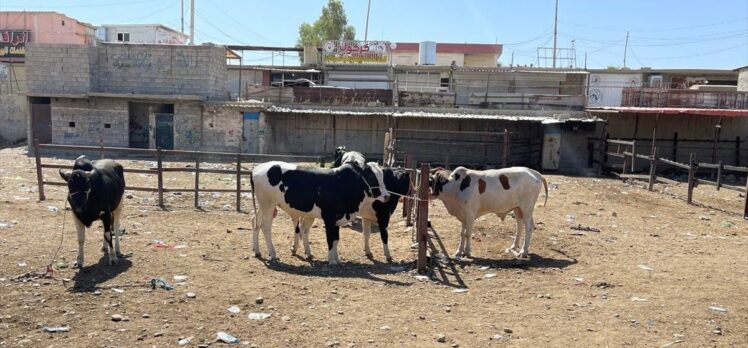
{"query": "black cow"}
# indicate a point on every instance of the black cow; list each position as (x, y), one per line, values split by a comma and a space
(396, 181)
(333, 195)
(95, 191)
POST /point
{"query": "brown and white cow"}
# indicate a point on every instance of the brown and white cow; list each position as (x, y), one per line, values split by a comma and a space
(468, 194)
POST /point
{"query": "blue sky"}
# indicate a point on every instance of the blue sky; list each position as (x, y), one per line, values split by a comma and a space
(663, 33)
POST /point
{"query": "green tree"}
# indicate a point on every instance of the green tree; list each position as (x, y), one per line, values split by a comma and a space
(332, 24)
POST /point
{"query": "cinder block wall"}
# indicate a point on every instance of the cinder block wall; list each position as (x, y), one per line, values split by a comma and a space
(187, 126)
(59, 69)
(89, 121)
(222, 129)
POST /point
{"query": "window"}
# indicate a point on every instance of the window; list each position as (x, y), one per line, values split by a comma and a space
(107, 125)
(71, 124)
(445, 82)
(123, 37)
(63, 23)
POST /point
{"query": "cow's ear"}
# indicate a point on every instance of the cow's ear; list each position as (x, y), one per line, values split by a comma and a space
(65, 175)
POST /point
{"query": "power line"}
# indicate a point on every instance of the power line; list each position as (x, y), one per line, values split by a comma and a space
(173, 3)
(714, 24)
(261, 37)
(698, 55)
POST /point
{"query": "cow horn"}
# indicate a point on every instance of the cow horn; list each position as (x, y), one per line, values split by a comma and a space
(88, 173)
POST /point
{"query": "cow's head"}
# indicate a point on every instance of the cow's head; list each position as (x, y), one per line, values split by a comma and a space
(438, 177)
(374, 181)
(79, 186)
(339, 151)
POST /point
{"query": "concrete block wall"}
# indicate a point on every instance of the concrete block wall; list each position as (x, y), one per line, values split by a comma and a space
(162, 69)
(90, 118)
(187, 126)
(13, 119)
(222, 129)
(59, 68)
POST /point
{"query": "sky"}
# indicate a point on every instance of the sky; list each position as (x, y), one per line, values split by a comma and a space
(661, 34)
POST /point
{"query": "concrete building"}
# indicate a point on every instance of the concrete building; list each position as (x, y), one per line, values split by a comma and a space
(141, 34)
(461, 54)
(125, 95)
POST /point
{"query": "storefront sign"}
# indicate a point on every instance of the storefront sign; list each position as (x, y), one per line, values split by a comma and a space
(356, 52)
(13, 44)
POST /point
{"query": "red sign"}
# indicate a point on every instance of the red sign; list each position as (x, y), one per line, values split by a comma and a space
(13, 44)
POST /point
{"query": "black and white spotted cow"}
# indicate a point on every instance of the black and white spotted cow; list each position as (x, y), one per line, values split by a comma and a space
(397, 181)
(333, 195)
(468, 194)
(95, 190)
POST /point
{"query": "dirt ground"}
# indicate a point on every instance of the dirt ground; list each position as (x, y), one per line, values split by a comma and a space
(648, 278)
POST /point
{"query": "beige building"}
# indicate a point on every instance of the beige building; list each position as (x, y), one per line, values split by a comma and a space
(467, 54)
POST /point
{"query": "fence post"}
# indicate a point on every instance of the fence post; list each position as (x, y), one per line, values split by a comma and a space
(160, 169)
(691, 174)
(385, 151)
(505, 152)
(653, 169)
(719, 175)
(423, 216)
(745, 209)
(675, 147)
(39, 177)
(406, 200)
(602, 154)
(238, 182)
(411, 209)
(633, 156)
(197, 180)
(737, 151)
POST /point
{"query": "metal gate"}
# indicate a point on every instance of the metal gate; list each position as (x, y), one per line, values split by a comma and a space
(165, 131)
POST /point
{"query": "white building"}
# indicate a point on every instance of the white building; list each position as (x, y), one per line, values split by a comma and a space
(141, 33)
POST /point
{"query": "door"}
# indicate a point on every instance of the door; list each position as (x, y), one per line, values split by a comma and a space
(138, 133)
(165, 131)
(551, 146)
(41, 118)
(250, 131)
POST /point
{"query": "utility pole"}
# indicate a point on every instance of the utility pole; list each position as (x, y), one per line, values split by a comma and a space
(182, 16)
(511, 64)
(192, 22)
(366, 31)
(625, 49)
(585, 60)
(555, 34)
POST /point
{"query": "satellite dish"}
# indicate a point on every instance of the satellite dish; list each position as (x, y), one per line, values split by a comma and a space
(393, 45)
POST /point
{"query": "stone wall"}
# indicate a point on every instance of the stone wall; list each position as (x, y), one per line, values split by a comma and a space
(89, 122)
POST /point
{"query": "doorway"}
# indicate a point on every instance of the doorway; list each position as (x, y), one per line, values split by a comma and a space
(41, 119)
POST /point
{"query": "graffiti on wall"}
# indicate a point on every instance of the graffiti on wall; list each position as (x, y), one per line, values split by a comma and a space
(189, 133)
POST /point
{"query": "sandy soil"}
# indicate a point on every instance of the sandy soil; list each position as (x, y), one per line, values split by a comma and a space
(648, 278)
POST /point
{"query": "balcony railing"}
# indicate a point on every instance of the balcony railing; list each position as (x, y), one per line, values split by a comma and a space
(680, 98)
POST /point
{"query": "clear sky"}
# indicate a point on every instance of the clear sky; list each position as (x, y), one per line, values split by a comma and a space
(663, 33)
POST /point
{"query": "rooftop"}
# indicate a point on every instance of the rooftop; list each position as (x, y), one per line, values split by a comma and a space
(442, 47)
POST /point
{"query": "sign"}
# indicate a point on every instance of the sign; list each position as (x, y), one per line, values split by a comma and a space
(13, 44)
(347, 52)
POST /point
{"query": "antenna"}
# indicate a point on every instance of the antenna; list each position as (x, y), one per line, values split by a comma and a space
(366, 31)
(555, 34)
(625, 49)
(192, 22)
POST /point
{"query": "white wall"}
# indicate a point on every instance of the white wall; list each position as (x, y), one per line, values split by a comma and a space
(145, 34)
(607, 89)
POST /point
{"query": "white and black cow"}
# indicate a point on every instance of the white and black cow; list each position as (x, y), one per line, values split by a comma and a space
(95, 190)
(396, 181)
(468, 194)
(333, 195)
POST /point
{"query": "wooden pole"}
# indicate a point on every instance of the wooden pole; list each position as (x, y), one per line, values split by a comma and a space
(423, 215)
(238, 182)
(691, 174)
(505, 152)
(197, 181)
(633, 156)
(385, 151)
(406, 200)
(411, 209)
(39, 177)
(160, 174)
(737, 152)
(719, 175)
(675, 147)
(653, 169)
(745, 204)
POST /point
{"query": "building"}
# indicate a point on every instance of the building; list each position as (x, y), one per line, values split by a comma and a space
(446, 54)
(141, 34)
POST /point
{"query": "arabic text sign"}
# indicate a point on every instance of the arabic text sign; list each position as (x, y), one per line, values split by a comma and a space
(356, 52)
(13, 43)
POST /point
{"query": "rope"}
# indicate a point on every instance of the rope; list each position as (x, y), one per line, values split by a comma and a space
(50, 270)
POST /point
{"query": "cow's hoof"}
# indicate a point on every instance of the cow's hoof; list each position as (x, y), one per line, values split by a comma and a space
(293, 251)
(258, 254)
(457, 255)
(78, 264)
(113, 262)
(389, 259)
(510, 251)
(369, 254)
(309, 257)
(274, 260)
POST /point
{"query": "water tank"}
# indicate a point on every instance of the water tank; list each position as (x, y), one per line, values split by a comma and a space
(427, 53)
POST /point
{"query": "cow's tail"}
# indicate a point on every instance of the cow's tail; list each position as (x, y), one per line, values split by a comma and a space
(254, 205)
(545, 184)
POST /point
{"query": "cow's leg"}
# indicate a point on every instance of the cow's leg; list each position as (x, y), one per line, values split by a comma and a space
(263, 221)
(267, 225)
(80, 229)
(306, 225)
(529, 225)
(468, 237)
(117, 231)
(107, 220)
(520, 227)
(366, 226)
(296, 235)
(332, 232)
(461, 247)
(383, 219)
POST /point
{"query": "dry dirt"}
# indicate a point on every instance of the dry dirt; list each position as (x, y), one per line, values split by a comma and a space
(648, 278)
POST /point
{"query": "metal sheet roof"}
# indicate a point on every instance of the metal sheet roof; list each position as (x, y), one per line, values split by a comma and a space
(672, 111)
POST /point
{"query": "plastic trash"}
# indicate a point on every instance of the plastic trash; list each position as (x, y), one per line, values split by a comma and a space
(259, 316)
(226, 338)
(718, 309)
(61, 265)
(234, 309)
(56, 329)
(179, 278)
(161, 284)
(159, 244)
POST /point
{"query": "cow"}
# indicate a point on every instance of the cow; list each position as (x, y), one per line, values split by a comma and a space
(333, 195)
(396, 181)
(95, 191)
(468, 194)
